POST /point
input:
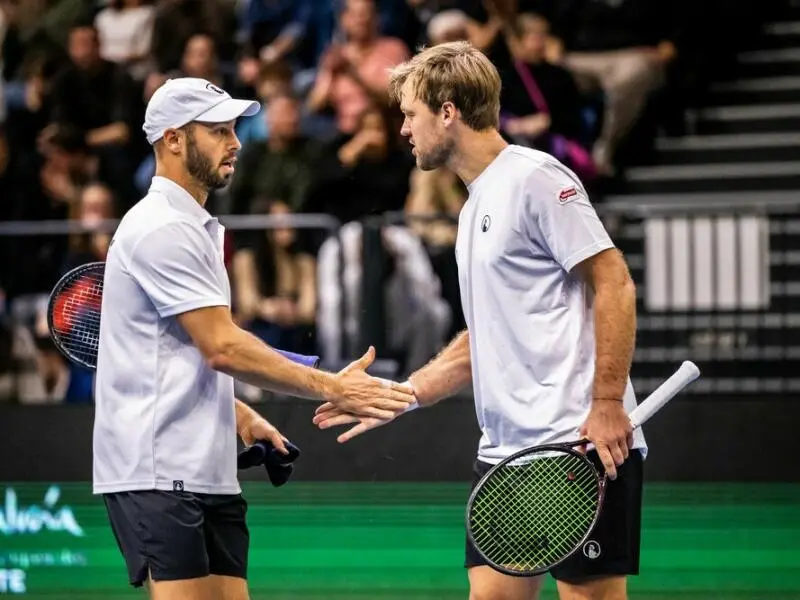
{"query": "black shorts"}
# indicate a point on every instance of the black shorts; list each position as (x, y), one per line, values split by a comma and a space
(179, 535)
(613, 547)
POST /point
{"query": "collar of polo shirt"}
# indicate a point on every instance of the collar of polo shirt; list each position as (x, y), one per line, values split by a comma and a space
(181, 199)
(183, 100)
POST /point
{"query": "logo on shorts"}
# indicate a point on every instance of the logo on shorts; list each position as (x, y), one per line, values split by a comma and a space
(213, 88)
(591, 550)
(177, 486)
(486, 223)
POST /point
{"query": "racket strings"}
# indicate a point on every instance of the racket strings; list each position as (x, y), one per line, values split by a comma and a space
(523, 522)
(529, 516)
(76, 316)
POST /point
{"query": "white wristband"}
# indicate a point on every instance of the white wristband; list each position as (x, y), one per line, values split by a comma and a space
(388, 383)
(414, 405)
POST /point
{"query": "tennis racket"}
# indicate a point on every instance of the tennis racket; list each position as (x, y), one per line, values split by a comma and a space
(73, 317)
(534, 509)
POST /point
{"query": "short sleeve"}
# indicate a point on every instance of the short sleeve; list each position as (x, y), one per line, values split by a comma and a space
(175, 266)
(560, 217)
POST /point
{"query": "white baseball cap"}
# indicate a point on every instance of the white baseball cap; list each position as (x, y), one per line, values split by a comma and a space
(186, 99)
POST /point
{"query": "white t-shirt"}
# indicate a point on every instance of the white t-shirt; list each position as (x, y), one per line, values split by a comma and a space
(526, 224)
(163, 419)
(125, 33)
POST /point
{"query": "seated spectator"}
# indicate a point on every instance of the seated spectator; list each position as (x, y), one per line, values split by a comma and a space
(274, 79)
(199, 59)
(439, 192)
(540, 103)
(48, 191)
(366, 173)
(125, 29)
(622, 48)
(276, 31)
(96, 97)
(276, 286)
(96, 204)
(68, 164)
(447, 26)
(353, 75)
(417, 319)
(54, 195)
(178, 20)
(282, 166)
(486, 22)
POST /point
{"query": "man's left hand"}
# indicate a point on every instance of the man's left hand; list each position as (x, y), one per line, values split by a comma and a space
(609, 429)
(261, 429)
(328, 415)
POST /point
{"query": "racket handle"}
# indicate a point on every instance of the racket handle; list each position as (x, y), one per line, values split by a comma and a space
(685, 375)
(308, 361)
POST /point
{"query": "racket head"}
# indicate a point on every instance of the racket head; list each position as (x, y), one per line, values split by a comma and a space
(535, 509)
(73, 313)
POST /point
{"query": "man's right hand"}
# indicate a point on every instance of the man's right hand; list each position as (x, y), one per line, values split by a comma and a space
(361, 394)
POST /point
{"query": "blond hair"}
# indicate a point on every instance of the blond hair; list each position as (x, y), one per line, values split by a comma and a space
(454, 72)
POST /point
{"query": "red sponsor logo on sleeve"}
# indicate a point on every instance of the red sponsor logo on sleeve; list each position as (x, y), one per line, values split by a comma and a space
(567, 193)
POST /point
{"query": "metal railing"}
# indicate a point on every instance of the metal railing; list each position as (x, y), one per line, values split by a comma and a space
(717, 283)
(233, 223)
(734, 311)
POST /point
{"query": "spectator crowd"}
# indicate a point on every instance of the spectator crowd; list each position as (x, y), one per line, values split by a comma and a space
(589, 81)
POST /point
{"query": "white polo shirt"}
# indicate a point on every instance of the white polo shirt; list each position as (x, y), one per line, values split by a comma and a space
(164, 420)
(526, 224)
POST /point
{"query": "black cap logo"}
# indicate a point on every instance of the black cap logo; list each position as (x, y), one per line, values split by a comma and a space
(213, 88)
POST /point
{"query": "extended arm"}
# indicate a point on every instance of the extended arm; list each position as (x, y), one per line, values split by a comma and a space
(446, 374)
(238, 353)
(175, 266)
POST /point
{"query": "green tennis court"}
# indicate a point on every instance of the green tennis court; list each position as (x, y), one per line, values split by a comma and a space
(393, 541)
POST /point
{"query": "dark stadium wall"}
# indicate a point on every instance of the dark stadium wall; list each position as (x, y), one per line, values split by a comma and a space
(696, 439)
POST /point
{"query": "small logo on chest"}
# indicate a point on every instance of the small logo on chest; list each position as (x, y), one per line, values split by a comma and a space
(486, 222)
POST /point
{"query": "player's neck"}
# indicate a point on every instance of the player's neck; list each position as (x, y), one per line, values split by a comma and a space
(197, 190)
(475, 151)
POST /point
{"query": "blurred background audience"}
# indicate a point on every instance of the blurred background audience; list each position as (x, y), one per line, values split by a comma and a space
(589, 81)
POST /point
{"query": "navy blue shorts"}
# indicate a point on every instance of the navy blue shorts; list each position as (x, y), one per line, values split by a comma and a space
(179, 535)
(613, 547)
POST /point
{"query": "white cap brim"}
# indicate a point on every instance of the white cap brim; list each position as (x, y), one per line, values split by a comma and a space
(229, 110)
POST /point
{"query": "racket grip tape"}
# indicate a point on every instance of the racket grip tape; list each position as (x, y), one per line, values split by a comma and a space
(685, 375)
(303, 359)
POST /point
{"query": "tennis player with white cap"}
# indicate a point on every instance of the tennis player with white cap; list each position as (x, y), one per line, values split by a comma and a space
(166, 420)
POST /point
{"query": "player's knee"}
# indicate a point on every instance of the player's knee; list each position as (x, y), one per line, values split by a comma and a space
(487, 584)
(488, 593)
(200, 588)
(606, 588)
(633, 75)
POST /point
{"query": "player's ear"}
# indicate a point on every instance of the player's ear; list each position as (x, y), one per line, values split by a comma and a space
(448, 112)
(172, 141)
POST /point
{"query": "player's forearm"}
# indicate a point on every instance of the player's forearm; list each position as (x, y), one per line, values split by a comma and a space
(246, 358)
(446, 374)
(615, 335)
(244, 415)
